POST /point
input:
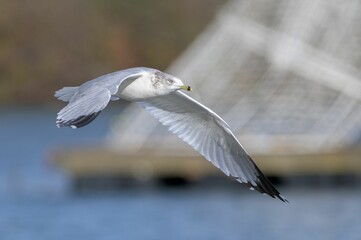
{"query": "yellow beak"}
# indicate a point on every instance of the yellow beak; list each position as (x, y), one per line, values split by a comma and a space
(187, 88)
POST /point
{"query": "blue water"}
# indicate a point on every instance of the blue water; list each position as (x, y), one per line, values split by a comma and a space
(36, 202)
(27, 139)
(185, 214)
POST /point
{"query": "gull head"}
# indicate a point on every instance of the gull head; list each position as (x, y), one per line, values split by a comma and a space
(151, 83)
(167, 83)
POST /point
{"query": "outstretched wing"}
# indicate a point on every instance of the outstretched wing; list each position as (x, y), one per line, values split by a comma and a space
(84, 108)
(209, 135)
(90, 98)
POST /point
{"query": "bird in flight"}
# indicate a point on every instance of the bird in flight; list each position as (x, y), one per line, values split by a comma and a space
(160, 94)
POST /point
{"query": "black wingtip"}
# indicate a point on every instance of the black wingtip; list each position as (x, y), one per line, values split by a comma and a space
(78, 122)
(266, 189)
(265, 186)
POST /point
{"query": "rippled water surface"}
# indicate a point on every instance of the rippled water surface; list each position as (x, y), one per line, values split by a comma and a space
(185, 214)
(36, 203)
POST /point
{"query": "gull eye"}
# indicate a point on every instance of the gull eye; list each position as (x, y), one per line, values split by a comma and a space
(170, 81)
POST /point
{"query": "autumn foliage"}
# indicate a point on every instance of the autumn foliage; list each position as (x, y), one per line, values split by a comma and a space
(45, 45)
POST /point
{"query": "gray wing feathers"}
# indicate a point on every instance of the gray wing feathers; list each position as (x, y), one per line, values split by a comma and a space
(90, 98)
(209, 135)
(83, 107)
(112, 81)
(66, 93)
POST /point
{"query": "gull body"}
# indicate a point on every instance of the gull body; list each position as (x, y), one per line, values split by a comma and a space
(151, 83)
(159, 94)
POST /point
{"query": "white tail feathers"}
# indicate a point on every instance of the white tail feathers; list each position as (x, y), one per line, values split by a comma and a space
(66, 93)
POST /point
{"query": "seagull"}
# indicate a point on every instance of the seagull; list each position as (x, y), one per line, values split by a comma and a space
(161, 95)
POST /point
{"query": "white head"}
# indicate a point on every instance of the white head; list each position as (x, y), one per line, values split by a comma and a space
(152, 83)
(165, 83)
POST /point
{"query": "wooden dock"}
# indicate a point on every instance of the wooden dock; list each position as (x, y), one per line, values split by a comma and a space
(101, 162)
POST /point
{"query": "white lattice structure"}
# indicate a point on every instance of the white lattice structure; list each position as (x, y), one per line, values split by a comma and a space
(284, 75)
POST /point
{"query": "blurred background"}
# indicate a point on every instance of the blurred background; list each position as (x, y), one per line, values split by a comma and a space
(284, 75)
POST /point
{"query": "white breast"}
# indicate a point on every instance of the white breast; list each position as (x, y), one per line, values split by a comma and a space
(137, 90)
